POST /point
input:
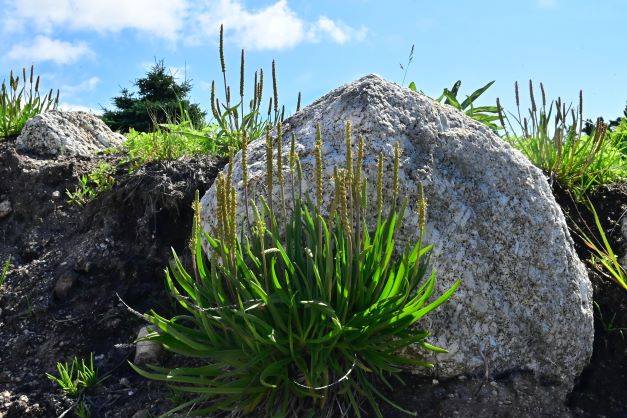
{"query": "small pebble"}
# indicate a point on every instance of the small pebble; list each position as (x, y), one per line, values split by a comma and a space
(435, 381)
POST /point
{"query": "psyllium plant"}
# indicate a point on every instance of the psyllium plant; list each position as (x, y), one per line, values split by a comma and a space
(234, 116)
(304, 319)
(21, 101)
(551, 137)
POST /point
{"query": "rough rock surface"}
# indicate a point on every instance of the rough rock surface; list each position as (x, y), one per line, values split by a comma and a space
(525, 302)
(57, 132)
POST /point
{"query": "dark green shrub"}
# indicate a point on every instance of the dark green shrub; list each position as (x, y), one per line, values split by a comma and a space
(159, 100)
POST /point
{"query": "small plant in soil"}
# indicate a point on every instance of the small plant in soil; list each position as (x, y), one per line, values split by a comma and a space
(551, 137)
(20, 103)
(5, 271)
(92, 184)
(602, 256)
(302, 318)
(608, 325)
(76, 377)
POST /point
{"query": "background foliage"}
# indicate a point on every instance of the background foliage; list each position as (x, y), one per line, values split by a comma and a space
(159, 99)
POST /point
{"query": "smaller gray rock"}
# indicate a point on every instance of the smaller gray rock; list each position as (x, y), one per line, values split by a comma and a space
(64, 284)
(5, 208)
(56, 132)
(147, 352)
(142, 413)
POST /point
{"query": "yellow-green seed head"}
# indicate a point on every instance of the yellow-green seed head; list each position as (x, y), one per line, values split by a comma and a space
(241, 76)
(279, 158)
(380, 184)
(343, 199)
(422, 209)
(360, 160)
(318, 151)
(349, 152)
(274, 88)
(260, 87)
(222, 64)
(244, 158)
(397, 161)
(269, 179)
(292, 152)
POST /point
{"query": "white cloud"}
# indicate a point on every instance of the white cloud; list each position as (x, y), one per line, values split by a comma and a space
(273, 27)
(161, 18)
(82, 87)
(43, 48)
(338, 31)
(77, 107)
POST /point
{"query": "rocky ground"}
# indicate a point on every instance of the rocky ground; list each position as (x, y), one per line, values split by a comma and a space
(70, 263)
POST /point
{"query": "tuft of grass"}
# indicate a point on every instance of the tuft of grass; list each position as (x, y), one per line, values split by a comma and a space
(82, 410)
(602, 257)
(76, 377)
(550, 135)
(300, 318)
(92, 184)
(172, 141)
(619, 136)
(21, 101)
(608, 325)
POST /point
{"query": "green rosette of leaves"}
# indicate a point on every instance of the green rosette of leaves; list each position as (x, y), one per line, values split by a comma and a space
(306, 317)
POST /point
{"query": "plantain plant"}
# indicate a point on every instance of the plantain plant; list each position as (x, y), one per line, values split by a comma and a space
(304, 318)
(551, 136)
(231, 115)
(18, 103)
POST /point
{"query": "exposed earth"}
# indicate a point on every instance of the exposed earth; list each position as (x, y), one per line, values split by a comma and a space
(69, 264)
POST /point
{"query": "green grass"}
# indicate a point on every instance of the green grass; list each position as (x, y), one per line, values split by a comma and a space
(550, 135)
(169, 142)
(602, 256)
(76, 377)
(21, 101)
(303, 320)
(92, 184)
(5, 271)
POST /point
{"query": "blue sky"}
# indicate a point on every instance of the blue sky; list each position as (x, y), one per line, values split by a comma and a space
(89, 49)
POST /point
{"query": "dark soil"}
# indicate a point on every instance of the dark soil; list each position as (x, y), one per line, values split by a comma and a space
(119, 244)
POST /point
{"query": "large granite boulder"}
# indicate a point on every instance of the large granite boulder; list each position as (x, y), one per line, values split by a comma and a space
(525, 302)
(57, 132)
